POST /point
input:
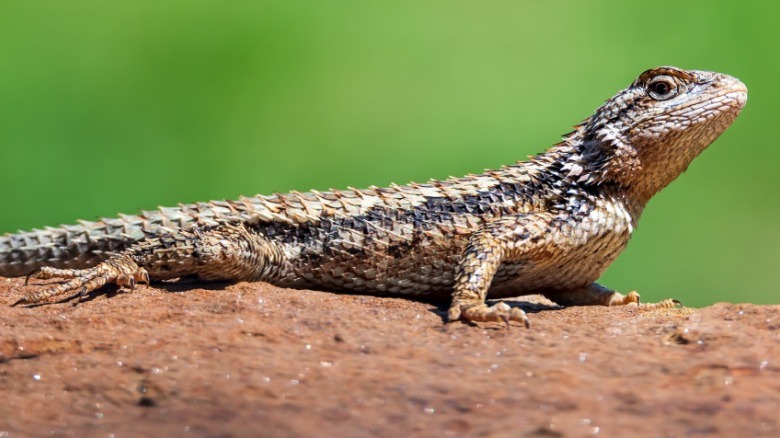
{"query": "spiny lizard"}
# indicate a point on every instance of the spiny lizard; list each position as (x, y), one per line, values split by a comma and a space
(550, 225)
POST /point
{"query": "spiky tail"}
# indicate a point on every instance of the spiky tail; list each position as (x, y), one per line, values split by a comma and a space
(88, 243)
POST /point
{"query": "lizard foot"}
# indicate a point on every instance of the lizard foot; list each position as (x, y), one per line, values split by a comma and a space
(120, 270)
(632, 299)
(499, 312)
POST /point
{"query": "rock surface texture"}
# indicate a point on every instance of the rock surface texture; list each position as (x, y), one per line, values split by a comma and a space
(251, 358)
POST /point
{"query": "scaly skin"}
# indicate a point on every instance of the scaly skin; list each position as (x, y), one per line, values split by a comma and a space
(550, 225)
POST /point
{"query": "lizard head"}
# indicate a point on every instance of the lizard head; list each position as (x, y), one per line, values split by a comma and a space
(648, 134)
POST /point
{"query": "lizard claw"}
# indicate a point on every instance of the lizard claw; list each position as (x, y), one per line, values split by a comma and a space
(33, 274)
(82, 294)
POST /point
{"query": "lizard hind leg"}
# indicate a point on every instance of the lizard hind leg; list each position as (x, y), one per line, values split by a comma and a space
(47, 272)
(479, 264)
(234, 252)
(120, 270)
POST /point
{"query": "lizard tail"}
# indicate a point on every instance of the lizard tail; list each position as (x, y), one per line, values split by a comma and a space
(68, 246)
(75, 246)
(88, 243)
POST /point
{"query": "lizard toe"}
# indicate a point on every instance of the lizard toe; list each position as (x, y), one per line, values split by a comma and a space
(668, 303)
(120, 270)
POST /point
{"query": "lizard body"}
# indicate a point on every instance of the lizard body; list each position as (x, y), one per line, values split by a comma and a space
(549, 225)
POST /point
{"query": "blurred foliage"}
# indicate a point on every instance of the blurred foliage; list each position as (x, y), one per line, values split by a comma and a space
(118, 106)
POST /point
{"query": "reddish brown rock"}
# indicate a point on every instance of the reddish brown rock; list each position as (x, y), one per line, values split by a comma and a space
(251, 358)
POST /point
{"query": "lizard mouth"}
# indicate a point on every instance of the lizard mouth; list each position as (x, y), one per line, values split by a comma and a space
(740, 95)
(735, 91)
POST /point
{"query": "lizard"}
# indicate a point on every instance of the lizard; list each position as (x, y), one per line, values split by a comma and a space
(548, 225)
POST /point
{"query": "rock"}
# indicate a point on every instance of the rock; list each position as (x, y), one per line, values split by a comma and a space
(251, 358)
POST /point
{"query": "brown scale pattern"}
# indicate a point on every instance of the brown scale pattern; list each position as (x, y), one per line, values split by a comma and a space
(549, 225)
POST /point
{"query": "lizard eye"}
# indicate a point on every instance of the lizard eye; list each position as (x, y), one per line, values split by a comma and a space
(662, 88)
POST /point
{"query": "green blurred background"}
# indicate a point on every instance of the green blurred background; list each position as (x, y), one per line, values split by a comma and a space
(110, 107)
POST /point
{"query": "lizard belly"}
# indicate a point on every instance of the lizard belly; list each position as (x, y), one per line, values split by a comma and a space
(572, 268)
(431, 272)
(423, 271)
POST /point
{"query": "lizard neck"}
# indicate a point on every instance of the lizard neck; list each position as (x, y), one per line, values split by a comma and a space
(590, 167)
(602, 159)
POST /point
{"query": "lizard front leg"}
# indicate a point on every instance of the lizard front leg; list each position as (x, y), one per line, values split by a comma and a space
(529, 240)
(224, 252)
(522, 238)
